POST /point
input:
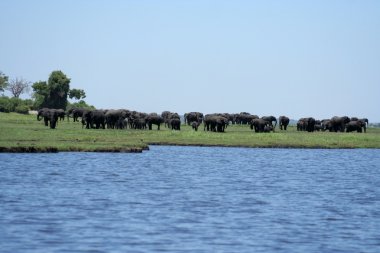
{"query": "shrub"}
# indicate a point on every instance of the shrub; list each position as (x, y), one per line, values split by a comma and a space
(5, 105)
(23, 109)
(14, 102)
(80, 104)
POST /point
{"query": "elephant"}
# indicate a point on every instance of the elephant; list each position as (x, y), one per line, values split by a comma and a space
(267, 129)
(154, 118)
(260, 125)
(244, 118)
(94, 119)
(318, 125)
(175, 124)
(115, 118)
(215, 123)
(85, 117)
(136, 120)
(138, 123)
(228, 116)
(338, 123)
(270, 120)
(50, 117)
(365, 120)
(168, 116)
(193, 116)
(283, 122)
(195, 125)
(306, 124)
(76, 113)
(69, 112)
(356, 125)
(325, 125)
(61, 114)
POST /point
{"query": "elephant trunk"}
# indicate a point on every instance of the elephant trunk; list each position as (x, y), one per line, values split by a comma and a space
(38, 117)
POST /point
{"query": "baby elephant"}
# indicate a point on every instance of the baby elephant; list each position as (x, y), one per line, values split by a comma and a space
(267, 129)
(175, 124)
(195, 125)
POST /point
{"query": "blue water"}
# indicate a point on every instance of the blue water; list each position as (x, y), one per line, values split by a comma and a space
(191, 199)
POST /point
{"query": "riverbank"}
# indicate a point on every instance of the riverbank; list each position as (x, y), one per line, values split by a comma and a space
(23, 133)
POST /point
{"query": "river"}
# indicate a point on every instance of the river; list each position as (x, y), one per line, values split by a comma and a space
(191, 199)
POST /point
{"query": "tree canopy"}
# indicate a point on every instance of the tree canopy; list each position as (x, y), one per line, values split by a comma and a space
(77, 94)
(54, 92)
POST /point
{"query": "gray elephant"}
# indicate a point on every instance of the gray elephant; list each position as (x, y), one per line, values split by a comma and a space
(75, 113)
(154, 118)
(260, 126)
(365, 120)
(195, 125)
(337, 124)
(283, 122)
(318, 125)
(61, 114)
(175, 124)
(166, 116)
(50, 117)
(270, 120)
(136, 120)
(306, 124)
(244, 118)
(215, 123)
(169, 116)
(115, 118)
(325, 125)
(268, 128)
(94, 119)
(356, 125)
(193, 116)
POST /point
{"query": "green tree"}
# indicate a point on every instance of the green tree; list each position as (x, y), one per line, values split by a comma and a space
(77, 94)
(59, 86)
(3, 82)
(52, 94)
(40, 92)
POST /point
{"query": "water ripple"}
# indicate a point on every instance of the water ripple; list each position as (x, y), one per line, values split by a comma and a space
(191, 199)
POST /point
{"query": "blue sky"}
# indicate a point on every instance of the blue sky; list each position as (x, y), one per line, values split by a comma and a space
(294, 58)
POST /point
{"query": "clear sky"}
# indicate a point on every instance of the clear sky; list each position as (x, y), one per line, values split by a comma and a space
(295, 58)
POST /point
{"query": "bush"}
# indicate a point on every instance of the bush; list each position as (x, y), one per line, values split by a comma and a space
(23, 109)
(80, 104)
(5, 105)
(15, 104)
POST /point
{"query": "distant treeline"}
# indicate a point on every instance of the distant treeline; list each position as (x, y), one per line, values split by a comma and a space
(23, 106)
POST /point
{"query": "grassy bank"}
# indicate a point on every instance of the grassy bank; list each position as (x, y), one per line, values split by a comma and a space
(23, 133)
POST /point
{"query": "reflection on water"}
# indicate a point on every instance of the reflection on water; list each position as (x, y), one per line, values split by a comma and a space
(191, 199)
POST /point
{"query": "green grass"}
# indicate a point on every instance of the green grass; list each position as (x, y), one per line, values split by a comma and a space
(23, 133)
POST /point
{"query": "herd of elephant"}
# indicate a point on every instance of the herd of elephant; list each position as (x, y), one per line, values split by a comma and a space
(217, 122)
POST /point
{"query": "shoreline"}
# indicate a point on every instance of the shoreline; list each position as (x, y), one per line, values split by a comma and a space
(30, 149)
(56, 150)
(24, 134)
